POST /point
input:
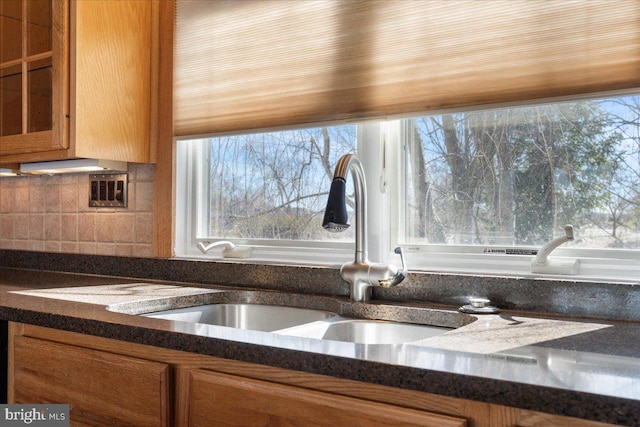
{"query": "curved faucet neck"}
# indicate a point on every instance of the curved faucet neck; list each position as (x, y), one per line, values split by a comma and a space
(542, 258)
(360, 274)
(347, 163)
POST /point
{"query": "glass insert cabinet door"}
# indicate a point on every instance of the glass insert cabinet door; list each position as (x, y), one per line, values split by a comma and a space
(33, 43)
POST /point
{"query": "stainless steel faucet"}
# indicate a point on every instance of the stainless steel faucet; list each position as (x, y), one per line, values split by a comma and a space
(361, 274)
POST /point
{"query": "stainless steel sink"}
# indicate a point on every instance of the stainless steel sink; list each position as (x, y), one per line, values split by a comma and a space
(300, 315)
(365, 331)
(301, 322)
(257, 317)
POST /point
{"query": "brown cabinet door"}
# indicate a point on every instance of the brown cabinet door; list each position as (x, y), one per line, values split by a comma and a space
(102, 389)
(216, 399)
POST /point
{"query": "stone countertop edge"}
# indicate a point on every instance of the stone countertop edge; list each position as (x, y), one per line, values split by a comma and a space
(614, 410)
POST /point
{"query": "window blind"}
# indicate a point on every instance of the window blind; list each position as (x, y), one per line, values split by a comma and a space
(243, 65)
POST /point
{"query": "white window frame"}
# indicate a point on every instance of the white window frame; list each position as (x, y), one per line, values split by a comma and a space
(380, 150)
(601, 265)
(191, 196)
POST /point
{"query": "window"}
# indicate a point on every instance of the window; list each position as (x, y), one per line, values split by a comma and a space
(472, 191)
(515, 176)
(461, 191)
(266, 190)
(484, 190)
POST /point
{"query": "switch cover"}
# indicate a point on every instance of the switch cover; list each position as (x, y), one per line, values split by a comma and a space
(108, 190)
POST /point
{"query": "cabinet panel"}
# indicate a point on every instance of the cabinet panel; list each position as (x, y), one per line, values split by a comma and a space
(217, 399)
(111, 74)
(103, 389)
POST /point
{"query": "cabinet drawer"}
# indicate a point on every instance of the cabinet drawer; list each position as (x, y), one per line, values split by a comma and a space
(103, 389)
(217, 399)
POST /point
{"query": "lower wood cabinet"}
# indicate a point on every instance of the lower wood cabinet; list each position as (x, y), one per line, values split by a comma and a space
(217, 399)
(103, 389)
(115, 383)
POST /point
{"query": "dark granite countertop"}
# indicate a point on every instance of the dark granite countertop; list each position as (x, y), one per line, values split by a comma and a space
(568, 366)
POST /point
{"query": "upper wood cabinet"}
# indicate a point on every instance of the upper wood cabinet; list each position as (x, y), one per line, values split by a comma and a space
(33, 75)
(78, 79)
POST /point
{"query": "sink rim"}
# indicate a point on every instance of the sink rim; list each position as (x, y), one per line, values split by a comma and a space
(229, 296)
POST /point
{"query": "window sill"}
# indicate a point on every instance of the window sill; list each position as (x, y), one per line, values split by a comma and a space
(600, 270)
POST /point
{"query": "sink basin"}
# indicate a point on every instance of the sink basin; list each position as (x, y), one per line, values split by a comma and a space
(365, 331)
(316, 317)
(257, 317)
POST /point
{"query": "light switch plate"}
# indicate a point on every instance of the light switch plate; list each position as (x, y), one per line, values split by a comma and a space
(108, 190)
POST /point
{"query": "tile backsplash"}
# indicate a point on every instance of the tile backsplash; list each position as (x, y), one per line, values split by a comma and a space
(52, 214)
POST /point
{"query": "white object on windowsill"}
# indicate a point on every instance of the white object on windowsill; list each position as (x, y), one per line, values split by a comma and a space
(229, 251)
(543, 263)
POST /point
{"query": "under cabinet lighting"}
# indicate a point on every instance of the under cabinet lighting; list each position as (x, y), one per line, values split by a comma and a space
(71, 166)
(9, 172)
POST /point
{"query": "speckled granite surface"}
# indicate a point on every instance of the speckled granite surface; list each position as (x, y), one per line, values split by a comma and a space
(580, 367)
(566, 297)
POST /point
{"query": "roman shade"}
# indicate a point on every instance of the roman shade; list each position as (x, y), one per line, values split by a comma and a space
(247, 65)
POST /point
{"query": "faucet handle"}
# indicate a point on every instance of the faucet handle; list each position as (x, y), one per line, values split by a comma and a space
(204, 248)
(400, 252)
(399, 275)
(542, 263)
(229, 250)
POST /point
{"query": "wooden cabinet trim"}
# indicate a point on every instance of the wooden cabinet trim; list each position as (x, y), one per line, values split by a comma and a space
(164, 156)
